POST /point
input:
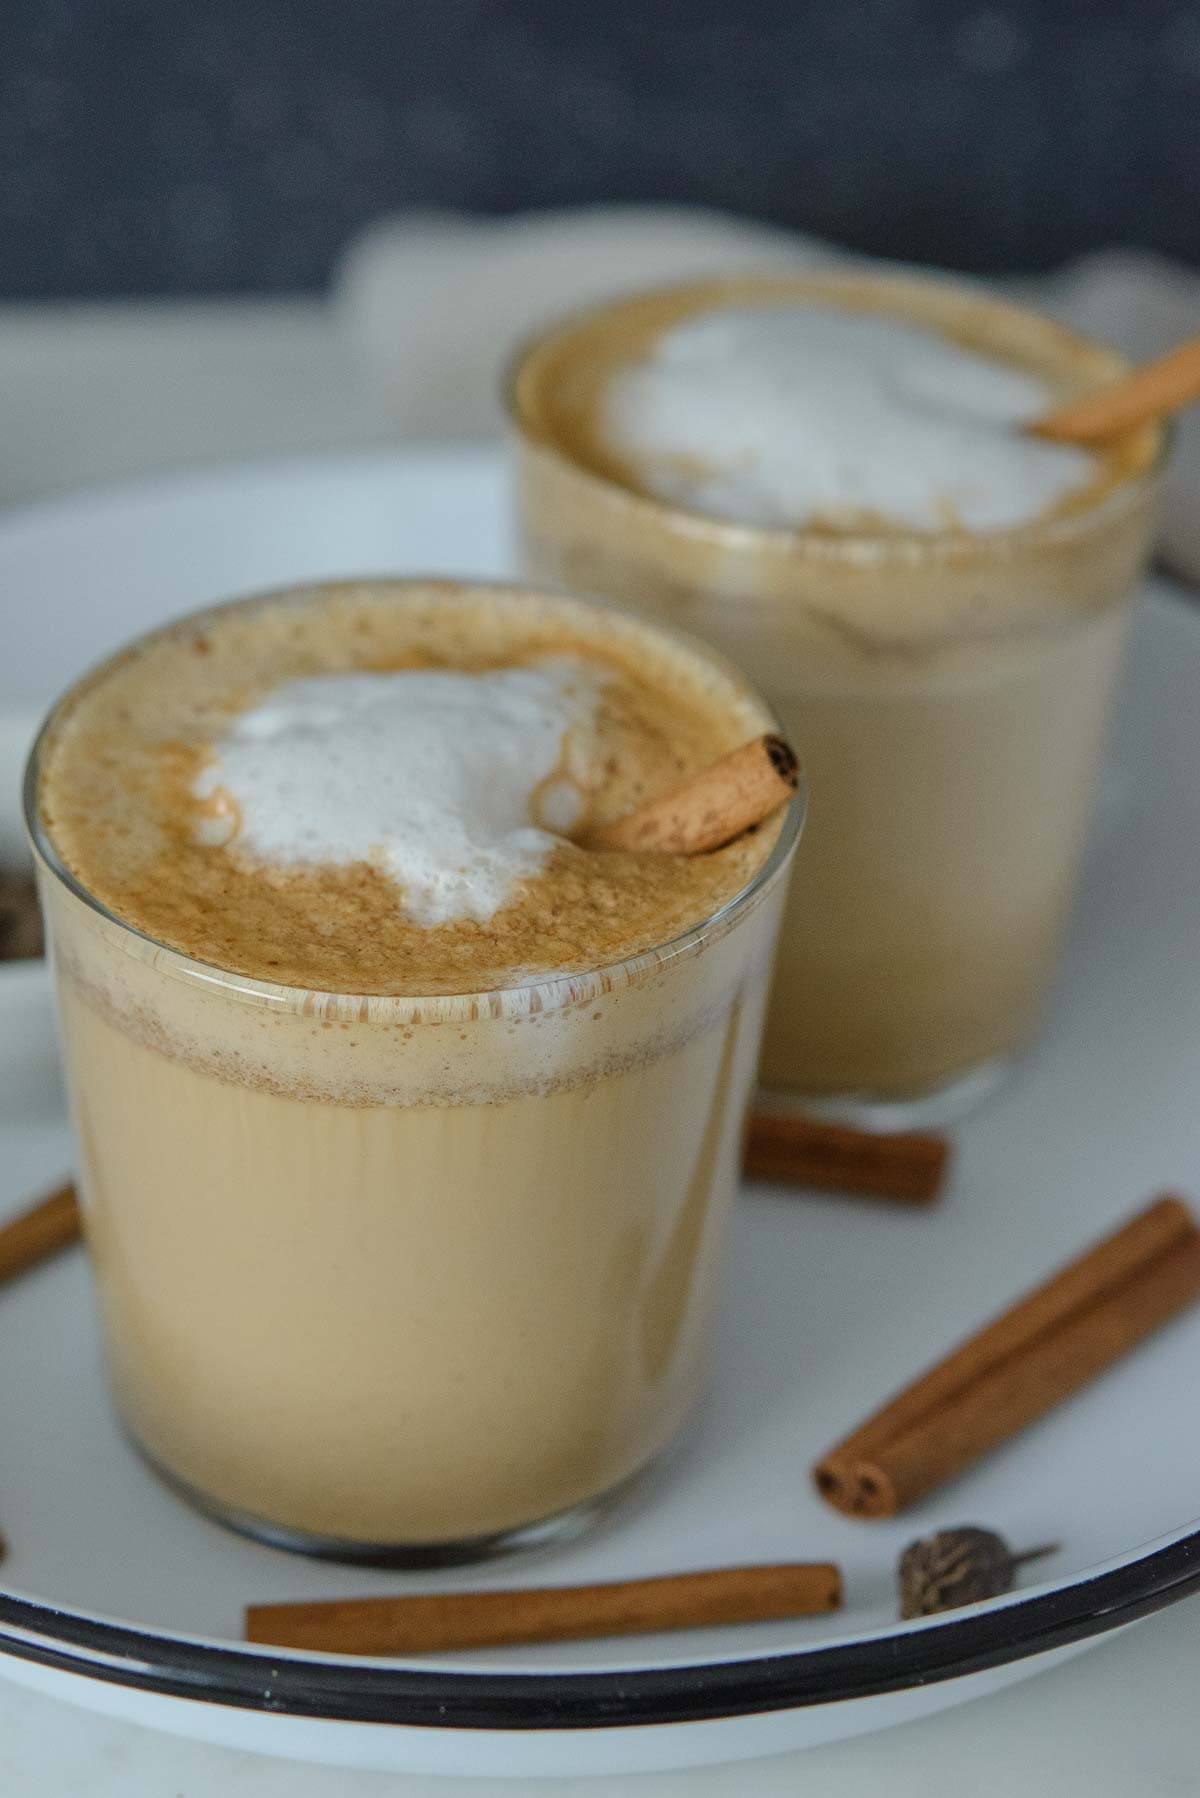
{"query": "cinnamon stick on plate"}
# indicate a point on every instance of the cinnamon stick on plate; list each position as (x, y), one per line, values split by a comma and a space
(710, 808)
(428, 1622)
(803, 1151)
(32, 1235)
(1017, 1367)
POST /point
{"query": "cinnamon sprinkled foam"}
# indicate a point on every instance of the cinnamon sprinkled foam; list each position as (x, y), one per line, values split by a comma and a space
(373, 788)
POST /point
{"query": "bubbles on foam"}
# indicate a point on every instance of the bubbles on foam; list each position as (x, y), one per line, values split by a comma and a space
(432, 776)
(778, 415)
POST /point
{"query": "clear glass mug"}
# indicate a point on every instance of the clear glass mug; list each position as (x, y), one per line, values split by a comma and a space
(409, 1279)
(948, 694)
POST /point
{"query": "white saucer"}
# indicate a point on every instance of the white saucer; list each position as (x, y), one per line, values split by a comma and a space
(118, 1596)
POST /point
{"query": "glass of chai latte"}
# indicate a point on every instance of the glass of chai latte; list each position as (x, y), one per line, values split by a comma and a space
(825, 476)
(407, 1128)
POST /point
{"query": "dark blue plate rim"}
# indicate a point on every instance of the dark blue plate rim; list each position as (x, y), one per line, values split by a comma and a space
(346, 1690)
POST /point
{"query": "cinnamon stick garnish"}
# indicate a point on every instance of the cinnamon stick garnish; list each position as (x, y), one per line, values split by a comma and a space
(1152, 391)
(47, 1226)
(1021, 1364)
(801, 1151)
(710, 808)
(427, 1622)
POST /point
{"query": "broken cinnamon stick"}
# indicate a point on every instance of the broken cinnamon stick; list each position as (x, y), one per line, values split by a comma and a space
(428, 1622)
(1021, 1364)
(47, 1226)
(800, 1151)
(710, 808)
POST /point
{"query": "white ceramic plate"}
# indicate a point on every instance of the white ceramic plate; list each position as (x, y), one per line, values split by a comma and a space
(121, 1598)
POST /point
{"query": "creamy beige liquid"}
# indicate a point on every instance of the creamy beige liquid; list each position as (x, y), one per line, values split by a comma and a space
(943, 843)
(947, 691)
(414, 1268)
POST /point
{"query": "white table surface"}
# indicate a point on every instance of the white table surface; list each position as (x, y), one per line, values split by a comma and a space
(93, 393)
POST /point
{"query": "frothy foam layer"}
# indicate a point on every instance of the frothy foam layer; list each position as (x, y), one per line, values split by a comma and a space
(370, 788)
(443, 780)
(793, 415)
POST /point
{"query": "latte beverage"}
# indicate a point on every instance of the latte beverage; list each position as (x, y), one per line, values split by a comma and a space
(827, 477)
(407, 1128)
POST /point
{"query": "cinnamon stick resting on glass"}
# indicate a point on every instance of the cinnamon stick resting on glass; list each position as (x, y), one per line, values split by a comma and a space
(709, 808)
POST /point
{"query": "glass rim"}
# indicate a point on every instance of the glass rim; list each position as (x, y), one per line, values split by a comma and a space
(905, 547)
(554, 989)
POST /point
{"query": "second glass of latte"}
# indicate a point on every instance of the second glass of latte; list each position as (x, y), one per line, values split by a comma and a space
(826, 475)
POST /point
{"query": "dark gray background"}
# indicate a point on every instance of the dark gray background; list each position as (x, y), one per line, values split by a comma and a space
(187, 146)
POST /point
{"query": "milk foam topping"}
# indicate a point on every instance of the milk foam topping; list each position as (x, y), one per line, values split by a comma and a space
(452, 783)
(786, 415)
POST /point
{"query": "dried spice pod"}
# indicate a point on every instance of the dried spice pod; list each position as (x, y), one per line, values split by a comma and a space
(958, 1566)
